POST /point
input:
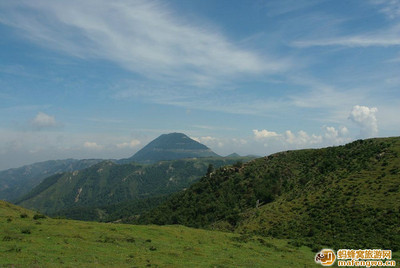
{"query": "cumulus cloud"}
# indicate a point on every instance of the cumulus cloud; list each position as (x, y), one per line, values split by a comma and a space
(92, 145)
(209, 141)
(336, 136)
(301, 139)
(43, 120)
(264, 134)
(365, 118)
(131, 144)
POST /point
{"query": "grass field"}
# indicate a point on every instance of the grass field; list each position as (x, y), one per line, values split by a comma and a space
(45, 242)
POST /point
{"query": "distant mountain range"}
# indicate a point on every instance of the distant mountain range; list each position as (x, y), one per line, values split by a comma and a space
(108, 183)
(19, 181)
(170, 147)
(166, 165)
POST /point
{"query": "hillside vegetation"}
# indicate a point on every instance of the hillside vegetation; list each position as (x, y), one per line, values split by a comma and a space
(88, 194)
(339, 197)
(16, 182)
(30, 240)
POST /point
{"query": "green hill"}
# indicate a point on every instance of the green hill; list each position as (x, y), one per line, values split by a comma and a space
(29, 240)
(16, 182)
(87, 194)
(339, 197)
(170, 147)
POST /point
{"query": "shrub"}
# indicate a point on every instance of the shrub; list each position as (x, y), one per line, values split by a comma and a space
(26, 231)
(7, 238)
(130, 240)
(23, 216)
(39, 216)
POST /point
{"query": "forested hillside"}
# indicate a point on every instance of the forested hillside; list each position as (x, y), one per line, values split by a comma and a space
(108, 183)
(16, 182)
(346, 196)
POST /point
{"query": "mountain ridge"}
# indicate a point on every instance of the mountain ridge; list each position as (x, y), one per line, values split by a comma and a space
(15, 182)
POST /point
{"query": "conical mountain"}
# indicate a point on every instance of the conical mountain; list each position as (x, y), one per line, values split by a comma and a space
(170, 147)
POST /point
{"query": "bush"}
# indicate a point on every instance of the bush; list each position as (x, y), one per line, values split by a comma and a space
(39, 216)
(26, 231)
(23, 216)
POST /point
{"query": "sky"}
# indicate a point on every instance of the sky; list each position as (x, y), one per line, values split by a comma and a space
(101, 79)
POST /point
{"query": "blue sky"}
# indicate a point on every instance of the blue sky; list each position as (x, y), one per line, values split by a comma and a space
(100, 79)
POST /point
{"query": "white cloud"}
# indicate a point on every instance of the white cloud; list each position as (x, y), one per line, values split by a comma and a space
(223, 145)
(43, 120)
(353, 41)
(209, 141)
(336, 136)
(289, 138)
(264, 134)
(239, 141)
(331, 133)
(365, 118)
(131, 144)
(302, 139)
(92, 145)
(142, 36)
(343, 131)
(390, 8)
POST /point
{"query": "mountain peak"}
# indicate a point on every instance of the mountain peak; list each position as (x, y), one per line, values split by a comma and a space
(170, 147)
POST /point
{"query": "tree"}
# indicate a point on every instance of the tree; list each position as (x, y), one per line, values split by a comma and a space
(210, 169)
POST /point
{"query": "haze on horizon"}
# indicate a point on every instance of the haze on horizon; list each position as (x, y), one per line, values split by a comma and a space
(100, 79)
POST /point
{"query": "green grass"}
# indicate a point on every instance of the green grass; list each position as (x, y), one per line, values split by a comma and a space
(46, 242)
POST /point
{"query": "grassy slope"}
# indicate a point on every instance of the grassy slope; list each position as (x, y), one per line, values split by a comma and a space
(341, 197)
(66, 243)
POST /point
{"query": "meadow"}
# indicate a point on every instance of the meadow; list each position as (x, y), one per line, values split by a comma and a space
(29, 239)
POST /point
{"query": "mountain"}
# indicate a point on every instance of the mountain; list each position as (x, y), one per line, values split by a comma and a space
(18, 181)
(170, 147)
(108, 183)
(338, 197)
